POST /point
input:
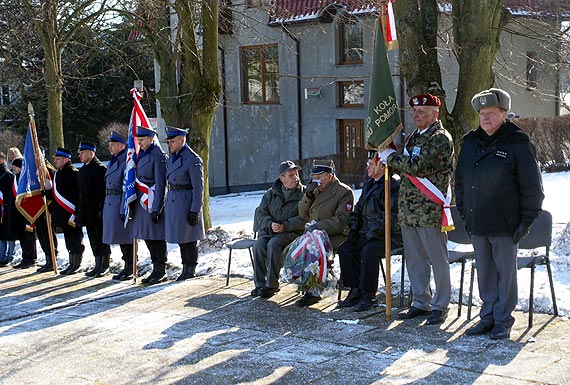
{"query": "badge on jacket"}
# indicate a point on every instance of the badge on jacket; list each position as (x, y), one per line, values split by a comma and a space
(349, 206)
(416, 152)
(501, 154)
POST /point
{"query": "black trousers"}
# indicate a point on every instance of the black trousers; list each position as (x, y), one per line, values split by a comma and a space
(95, 234)
(127, 250)
(157, 248)
(28, 245)
(73, 237)
(189, 253)
(359, 263)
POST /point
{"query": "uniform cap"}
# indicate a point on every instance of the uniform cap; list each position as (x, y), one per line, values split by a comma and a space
(172, 132)
(320, 166)
(63, 152)
(86, 146)
(116, 137)
(145, 131)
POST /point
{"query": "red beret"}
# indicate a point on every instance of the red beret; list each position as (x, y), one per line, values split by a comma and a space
(425, 100)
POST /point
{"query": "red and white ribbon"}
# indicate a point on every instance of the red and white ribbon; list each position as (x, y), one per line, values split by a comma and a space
(147, 197)
(432, 192)
(390, 22)
(64, 202)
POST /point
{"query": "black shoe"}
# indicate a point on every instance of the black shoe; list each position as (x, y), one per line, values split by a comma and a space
(45, 268)
(367, 301)
(188, 271)
(5, 262)
(436, 317)
(412, 312)
(256, 292)
(500, 332)
(307, 300)
(158, 274)
(93, 272)
(125, 274)
(268, 292)
(479, 329)
(24, 265)
(351, 299)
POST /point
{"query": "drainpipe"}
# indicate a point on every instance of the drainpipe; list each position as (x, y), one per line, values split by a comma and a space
(225, 119)
(299, 92)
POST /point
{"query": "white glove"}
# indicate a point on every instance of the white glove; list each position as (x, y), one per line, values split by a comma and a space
(385, 154)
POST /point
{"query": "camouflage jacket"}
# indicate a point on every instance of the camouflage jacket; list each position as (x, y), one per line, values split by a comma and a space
(430, 156)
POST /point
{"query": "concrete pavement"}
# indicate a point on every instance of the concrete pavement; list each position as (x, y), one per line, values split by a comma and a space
(74, 330)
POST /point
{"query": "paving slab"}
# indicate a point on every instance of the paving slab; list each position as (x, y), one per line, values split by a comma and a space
(75, 330)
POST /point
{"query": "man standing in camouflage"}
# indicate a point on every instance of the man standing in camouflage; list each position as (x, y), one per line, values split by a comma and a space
(184, 200)
(426, 167)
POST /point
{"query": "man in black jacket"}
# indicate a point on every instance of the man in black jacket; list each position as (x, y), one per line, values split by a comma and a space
(65, 193)
(498, 191)
(361, 253)
(90, 206)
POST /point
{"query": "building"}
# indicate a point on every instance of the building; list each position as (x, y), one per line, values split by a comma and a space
(296, 76)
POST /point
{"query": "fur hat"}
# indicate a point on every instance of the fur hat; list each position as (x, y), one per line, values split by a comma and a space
(493, 97)
(425, 100)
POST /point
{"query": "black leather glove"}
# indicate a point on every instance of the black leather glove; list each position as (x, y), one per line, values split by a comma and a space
(311, 187)
(520, 232)
(154, 217)
(192, 218)
(353, 236)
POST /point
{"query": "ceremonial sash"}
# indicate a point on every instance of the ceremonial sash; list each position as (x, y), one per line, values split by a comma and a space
(433, 194)
(147, 197)
(64, 203)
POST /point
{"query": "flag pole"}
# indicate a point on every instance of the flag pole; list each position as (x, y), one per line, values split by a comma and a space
(42, 170)
(138, 84)
(388, 242)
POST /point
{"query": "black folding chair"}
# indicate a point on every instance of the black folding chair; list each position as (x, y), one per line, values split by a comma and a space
(460, 236)
(540, 235)
(242, 244)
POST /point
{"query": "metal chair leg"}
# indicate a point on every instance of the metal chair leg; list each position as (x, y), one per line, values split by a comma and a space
(229, 264)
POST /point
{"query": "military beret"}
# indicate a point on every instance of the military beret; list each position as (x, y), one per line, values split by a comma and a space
(425, 100)
(493, 97)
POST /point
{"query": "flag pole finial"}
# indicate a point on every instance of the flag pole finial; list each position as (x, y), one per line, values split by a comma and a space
(30, 109)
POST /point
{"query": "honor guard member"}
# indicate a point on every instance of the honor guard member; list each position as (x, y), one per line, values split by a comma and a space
(65, 193)
(498, 189)
(184, 201)
(90, 207)
(425, 164)
(114, 230)
(41, 223)
(6, 182)
(148, 218)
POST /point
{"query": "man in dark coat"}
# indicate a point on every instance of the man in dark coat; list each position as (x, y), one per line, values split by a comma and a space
(114, 230)
(326, 205)
(184, 201)
(65, 193)
(90, 206)
(360, 255)
(498, 189)
(279, 225)
(6, 182)
(148, 218)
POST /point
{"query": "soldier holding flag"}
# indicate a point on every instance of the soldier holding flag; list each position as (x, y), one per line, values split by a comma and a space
(426, 167)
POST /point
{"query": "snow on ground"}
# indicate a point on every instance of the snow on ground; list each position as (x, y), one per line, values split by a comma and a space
(232, 217)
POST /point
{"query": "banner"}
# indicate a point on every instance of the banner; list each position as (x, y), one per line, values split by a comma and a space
(29, 200)
(383, 122)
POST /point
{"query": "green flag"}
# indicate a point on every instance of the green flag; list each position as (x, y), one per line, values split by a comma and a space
(383, 122)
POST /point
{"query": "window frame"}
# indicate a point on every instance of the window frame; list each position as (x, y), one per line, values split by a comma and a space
(341, 93)
(245, 79)
(342, 31)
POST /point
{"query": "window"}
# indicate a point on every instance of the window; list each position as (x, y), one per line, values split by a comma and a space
(531, 81)
(260, 66)
(350, 42)
(5, 95)
(351, 94)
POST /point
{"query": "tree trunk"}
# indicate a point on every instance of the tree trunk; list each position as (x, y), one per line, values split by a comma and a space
(54, 85)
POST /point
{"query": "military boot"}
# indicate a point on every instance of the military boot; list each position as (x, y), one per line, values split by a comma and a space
(152, 273)
(45, 268)
(69, 266)
(188, 271)
(96, 268)
(77, 259)
(158, 274)
(125, 274)
(104, 268)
